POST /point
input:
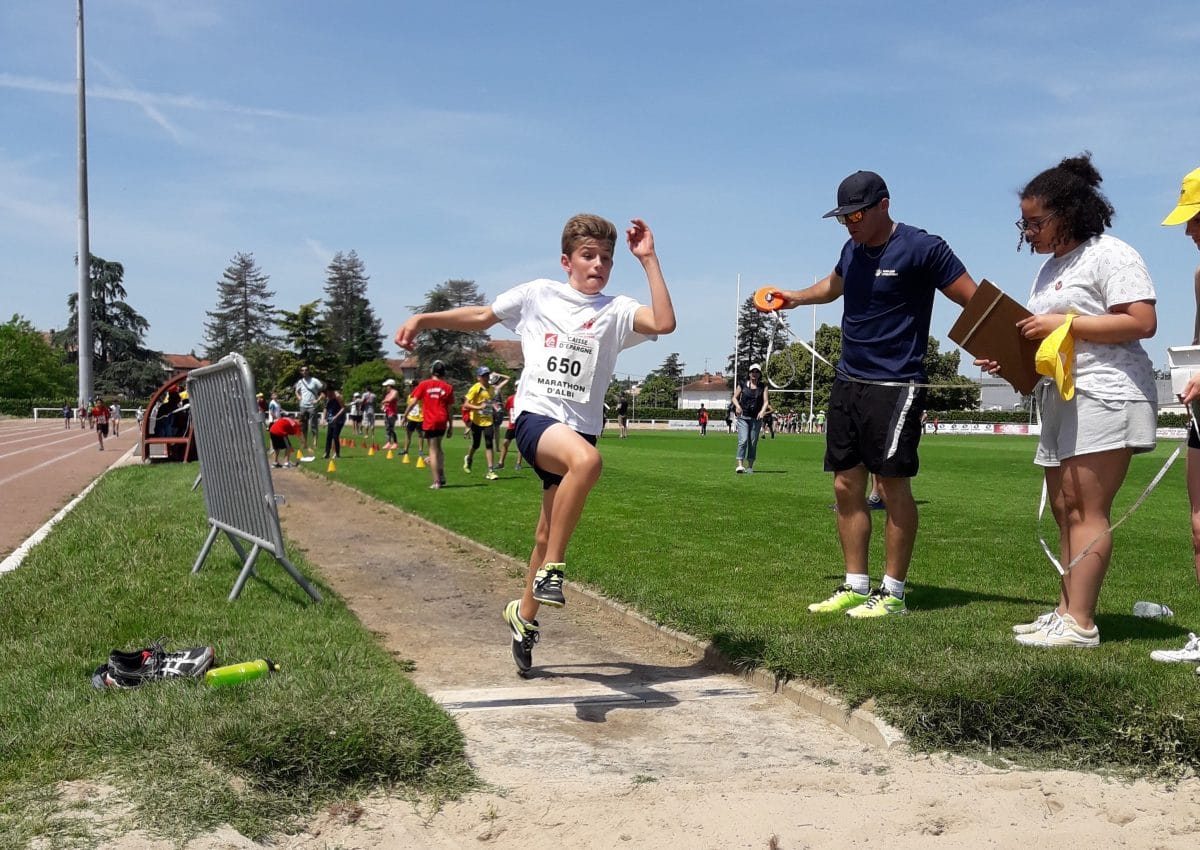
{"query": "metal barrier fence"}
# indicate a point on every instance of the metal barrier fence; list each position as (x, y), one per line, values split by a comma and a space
(238, 492)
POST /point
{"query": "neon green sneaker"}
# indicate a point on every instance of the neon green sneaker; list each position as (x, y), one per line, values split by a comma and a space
(879, 603)
(845, 597)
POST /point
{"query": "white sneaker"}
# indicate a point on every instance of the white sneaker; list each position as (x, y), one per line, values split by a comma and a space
(1062, 632)
(740, 469)
(1036, 626)
(1190, 651)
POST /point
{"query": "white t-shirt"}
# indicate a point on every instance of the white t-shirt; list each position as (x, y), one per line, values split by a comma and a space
(1099, 274)
(570, 342)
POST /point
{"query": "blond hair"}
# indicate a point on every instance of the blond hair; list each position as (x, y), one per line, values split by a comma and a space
(585, 226)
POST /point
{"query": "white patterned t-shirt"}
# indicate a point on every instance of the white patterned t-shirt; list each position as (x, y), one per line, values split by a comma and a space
(570, 342)
(1101, 273)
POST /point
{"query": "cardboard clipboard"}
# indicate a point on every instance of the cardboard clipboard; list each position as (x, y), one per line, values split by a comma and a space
(987, 329)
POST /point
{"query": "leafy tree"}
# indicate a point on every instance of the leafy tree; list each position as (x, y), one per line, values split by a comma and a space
(459, 350)
(370, 374)
(29, 366)
(950, 390)
(659, 391)
(354, 332)
(309, 343)
(244, 315)
(755, 333)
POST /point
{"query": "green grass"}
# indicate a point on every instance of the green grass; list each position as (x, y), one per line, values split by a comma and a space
(339, 719)
(673, 532)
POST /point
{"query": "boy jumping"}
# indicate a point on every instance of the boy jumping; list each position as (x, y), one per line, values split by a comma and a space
(570, 338)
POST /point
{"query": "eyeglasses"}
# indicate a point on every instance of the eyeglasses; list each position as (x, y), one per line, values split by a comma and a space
(854, 217)
(1027, 225)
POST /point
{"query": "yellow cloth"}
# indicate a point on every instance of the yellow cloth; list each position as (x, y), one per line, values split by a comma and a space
(1056, 358)
(480, 394)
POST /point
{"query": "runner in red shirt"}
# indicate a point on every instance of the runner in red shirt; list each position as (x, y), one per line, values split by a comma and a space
(436, 397)
(510, 432)
(99, 414)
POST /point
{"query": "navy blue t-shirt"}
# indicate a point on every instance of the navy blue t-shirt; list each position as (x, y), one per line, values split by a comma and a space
(888, 303)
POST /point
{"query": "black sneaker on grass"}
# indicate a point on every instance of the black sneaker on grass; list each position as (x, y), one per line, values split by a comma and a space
(525, 634)
(547, 585)
(133, 669)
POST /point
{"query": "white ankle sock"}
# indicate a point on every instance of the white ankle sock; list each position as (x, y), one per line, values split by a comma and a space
(859, 582)
(894, 587)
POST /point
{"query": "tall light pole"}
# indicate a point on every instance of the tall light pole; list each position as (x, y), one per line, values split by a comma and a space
(84, 259)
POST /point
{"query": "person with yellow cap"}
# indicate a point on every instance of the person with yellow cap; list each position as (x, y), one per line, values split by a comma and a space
(1093, 300)
(1187, 211)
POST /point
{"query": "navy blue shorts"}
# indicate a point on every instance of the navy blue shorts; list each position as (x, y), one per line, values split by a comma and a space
(529, 430)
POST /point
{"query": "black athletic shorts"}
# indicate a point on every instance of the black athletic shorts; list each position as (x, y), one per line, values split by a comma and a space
(529, 428)
(877, 426)
(1193, 440)
(411, 425)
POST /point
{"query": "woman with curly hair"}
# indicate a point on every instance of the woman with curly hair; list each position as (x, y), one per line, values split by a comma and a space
(1099, 287)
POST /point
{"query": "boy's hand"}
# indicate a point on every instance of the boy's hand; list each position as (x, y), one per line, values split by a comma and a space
(406, 337)
(640, 239)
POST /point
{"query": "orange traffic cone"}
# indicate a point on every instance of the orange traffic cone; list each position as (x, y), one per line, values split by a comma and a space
(332, 467)
(389, 454)
(420, 462)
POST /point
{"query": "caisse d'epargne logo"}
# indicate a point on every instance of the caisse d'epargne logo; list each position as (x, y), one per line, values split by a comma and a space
(551, 341)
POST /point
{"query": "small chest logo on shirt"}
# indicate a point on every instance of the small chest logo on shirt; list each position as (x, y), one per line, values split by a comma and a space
(886, 273)
(551, 341)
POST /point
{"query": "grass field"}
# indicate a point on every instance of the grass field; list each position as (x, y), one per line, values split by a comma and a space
(340, 719)
(673, 532)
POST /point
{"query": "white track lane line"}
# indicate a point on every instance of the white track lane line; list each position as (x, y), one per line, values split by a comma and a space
(6, 444)
(18, 555)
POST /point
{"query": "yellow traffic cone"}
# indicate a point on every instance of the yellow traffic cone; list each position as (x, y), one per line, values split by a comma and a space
(405, 458)
(389, 454)
(332, 467)
(420, 462)
(371, 451)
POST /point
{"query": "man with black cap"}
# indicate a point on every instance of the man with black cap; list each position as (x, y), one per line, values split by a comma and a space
(886, 276)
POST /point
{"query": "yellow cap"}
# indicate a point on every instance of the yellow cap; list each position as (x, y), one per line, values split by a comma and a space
(1189, 200)
(1056, 358)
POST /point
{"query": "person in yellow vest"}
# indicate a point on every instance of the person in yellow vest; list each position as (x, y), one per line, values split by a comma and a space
(479, 403)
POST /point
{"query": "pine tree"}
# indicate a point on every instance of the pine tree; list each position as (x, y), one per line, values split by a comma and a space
(755, 332)
(457, 349)
(244, 315)
(355, 334)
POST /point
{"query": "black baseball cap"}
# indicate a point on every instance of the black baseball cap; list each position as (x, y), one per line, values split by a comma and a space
(860, 190)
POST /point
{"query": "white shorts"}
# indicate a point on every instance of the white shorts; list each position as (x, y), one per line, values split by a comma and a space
(1086, 425)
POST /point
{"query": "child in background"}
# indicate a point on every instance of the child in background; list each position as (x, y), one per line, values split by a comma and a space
(434, 397)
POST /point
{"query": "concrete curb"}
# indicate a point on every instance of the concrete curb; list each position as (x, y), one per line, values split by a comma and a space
(859, 722)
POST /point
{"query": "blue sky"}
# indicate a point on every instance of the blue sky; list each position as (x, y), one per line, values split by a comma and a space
(452, 140)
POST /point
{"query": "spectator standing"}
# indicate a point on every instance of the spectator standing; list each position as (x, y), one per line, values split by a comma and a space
(67, 414)
(623, 416)
(702, 417)
(391, 412)
(478, 402)
(274, 408)
(335, 419)
(308, 389)
(1098, 288)
(414, 423)
(750, 404)
(354, 414)
(368, 413)
(887, 276)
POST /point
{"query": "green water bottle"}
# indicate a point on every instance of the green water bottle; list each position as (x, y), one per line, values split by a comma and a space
(232, 674)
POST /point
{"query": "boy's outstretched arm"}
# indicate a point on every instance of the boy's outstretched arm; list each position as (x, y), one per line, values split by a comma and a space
(659, 317)
(471, 318)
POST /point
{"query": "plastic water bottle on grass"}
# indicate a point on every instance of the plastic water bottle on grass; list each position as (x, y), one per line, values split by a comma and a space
(1151, 610)
(233, 674)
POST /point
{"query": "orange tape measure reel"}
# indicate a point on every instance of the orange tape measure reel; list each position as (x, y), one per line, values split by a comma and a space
(768, 299)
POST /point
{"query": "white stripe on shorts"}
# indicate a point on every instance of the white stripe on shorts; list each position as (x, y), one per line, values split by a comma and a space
(894, 442)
